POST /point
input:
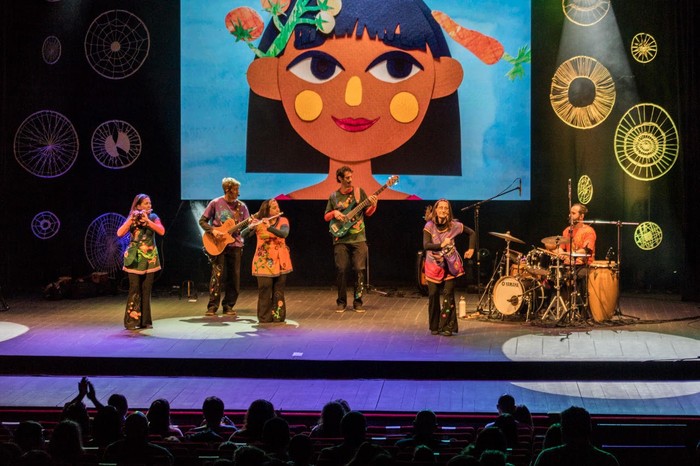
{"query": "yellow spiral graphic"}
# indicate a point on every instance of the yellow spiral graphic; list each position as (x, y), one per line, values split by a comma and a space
(648, 235)
(646, 142)
(584, 189)
(643, 47)
(582, 93)
(585, 12)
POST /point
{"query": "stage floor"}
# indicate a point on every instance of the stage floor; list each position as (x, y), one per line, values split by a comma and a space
(642, 361)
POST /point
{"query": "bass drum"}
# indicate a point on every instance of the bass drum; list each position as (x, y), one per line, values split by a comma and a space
(511, 294)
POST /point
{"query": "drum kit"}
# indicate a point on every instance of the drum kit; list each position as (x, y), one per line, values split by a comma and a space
(545, 285)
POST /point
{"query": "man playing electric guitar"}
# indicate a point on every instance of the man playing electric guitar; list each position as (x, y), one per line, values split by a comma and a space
(225, 267)
(350, 248)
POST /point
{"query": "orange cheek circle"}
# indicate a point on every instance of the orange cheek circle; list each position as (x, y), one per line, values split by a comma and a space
(308, 105)
(404, 107)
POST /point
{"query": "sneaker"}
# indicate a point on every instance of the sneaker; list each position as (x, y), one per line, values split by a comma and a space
(210, 312)
(358, 307)
(230, 312)
(340, 307)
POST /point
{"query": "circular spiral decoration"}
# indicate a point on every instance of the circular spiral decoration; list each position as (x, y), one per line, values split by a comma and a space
(643, 47)
(103, 248)
(116, 44)
(116, 144)
(648, 235)
(584, 189)
(45, 225)
(582, 93)
(51, 50)
(46, 144)
(646, 142)
(585, 12)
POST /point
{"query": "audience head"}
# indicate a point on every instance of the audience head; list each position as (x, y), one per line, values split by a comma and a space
(249, 456)
(490, 438)
(136, 427)
(301, 449)
(34, 458)
(366, 453)
(29, 436)
(259, 412)
(77, 411)
(509, 427)
(66, 443)
(353, 426)
(575, 425)
(506, 404)
(344, 404)
(492, 458)
(423, 454)
(9, 453)
(463, 460)
(158, 415)
(425, 422)
(275, 435)
(213, 410)
(119, 401)
(331, 415)
(522, 415)
(107, 426)
(227, 450)
(552, 438)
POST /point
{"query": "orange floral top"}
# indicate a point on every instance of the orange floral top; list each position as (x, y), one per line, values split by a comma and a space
(271, 258)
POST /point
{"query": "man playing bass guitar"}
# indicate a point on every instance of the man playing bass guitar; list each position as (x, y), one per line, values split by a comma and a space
(349, 240)
(226, 266)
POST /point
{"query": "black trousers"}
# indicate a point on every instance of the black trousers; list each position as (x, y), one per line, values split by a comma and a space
(138, 302)
(226, 274)
(271, 304)
(347, 255)
(442, 314)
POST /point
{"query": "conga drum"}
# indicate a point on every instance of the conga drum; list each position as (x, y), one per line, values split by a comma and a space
(603, 289)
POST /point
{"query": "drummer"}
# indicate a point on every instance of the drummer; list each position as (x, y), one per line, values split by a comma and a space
(584, 238)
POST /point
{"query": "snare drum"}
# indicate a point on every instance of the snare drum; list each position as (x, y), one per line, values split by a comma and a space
(510, 294)
(603, 289)
(538, 263)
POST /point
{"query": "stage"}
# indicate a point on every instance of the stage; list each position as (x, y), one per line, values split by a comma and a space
(643, 361)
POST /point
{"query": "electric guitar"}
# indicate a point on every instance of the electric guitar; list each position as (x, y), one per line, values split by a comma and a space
(215, 244)
(339, 228)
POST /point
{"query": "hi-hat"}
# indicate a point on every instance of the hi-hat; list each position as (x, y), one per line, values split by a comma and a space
(506, 236)
(580, 254)
(556, 240)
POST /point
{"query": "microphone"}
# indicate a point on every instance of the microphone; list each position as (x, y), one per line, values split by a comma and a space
(609, 254)
(569, 190)
(520, 187)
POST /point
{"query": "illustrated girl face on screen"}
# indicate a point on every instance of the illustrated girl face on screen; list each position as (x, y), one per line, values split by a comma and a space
(363, 90)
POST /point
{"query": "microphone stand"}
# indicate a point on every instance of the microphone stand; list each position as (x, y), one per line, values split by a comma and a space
(476, 206)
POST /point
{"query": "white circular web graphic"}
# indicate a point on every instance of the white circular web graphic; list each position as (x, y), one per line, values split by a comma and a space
(116, 44)
(45, 225)
(51, 50)
(46, 144)
(116, 144)
(103, 248)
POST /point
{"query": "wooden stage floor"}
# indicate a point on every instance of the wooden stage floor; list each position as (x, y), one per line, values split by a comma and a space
(644, 361)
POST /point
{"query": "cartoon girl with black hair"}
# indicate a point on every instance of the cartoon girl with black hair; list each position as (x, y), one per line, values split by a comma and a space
(357, 80)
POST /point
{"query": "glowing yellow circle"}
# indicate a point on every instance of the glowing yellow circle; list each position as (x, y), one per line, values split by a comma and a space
(646, 142)
(585, 12)
(585, 189)
(643, 47)
(648, 235)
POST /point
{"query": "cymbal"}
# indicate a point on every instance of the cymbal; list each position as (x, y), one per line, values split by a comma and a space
(506, 236)
(580, 254)
(556, 240)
